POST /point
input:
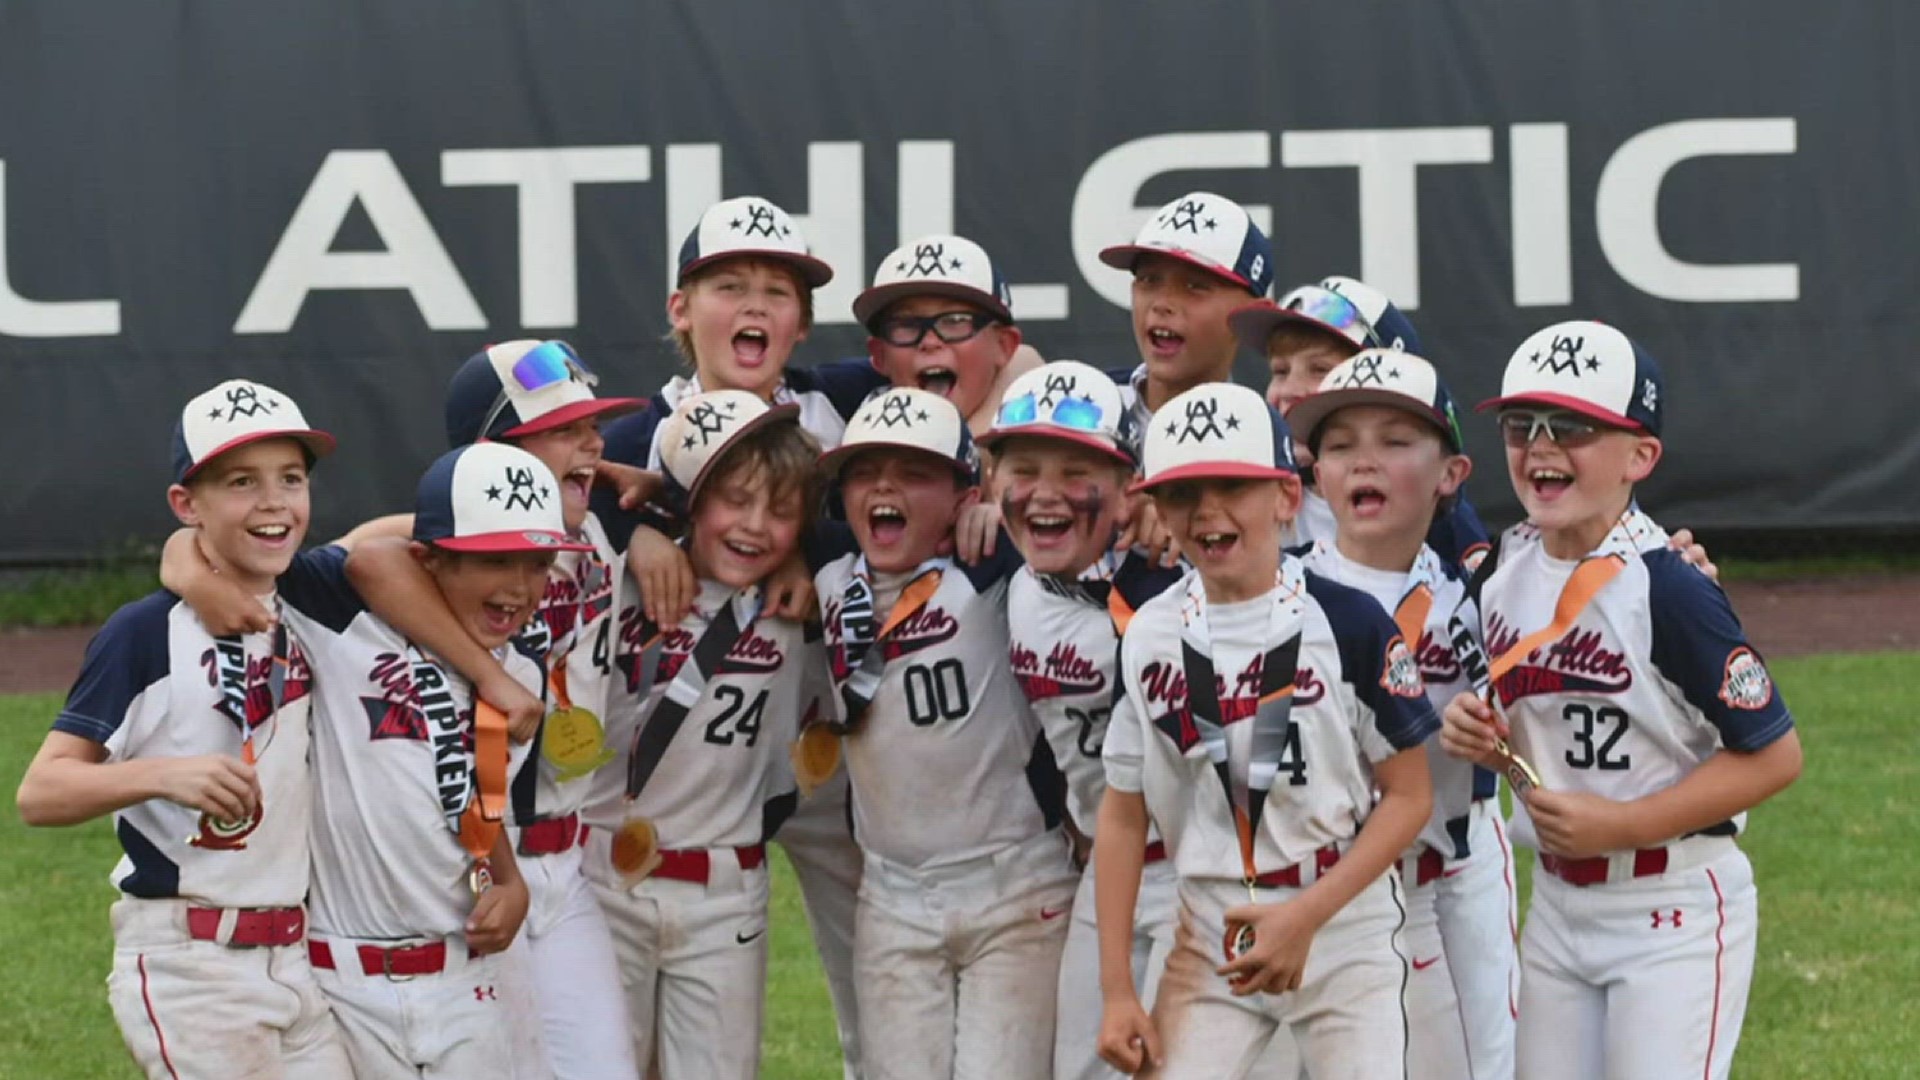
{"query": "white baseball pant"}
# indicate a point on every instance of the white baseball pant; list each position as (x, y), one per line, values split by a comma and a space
(1078, 1006)
(818, 840)
(693, 963)
(958, 965)
(1347, 1018)
(1642, 977)
(1477, 905)
(1436, 1037)
(190, 1009)
(455, 1023)
(575, 977)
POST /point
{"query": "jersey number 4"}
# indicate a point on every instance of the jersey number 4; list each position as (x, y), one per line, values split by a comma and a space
(1590, 724)
(739, 718)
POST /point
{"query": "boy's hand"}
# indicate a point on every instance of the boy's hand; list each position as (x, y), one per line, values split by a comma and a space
(216, 784)
(523, 708)
(229, 609)
(667, 584)
(1143, 528)
(789, 591)
(1468, 729)
(1127, 1039)
(976, 531)
(1578, 825)
(1282, 935)
(637, 486)
(497, 916)
(1696, 556)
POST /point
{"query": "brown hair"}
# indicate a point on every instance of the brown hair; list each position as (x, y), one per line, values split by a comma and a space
(683, 341)
(1292, 337)
(781, 455)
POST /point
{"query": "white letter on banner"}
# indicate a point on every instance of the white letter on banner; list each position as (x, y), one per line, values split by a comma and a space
(835, 223)
(549, 269)
(1627, 211)
(1542, 262)
(1388, 160)
(414, 258)
(21, 317)
(926, 207)
(1105, 212)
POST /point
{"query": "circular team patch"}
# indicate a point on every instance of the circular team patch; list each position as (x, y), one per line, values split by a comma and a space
(1400, 675)
(1746, 684)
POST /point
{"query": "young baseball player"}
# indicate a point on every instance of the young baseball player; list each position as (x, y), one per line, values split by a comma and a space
(1270, 727)
(1637, 725)
(704, 716)
(1062, 474)
(1389, 460)
(956, 797)
(416, 890)
(197, 745)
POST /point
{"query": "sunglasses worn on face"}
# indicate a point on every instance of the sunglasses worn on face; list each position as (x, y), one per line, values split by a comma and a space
(952, 327)
(544, 365)
(1520, 427)
(1077, 414)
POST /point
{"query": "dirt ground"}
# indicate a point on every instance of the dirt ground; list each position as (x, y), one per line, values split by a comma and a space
(1784, 618)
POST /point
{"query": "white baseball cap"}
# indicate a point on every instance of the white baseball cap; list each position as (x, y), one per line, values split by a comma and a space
(1389, 377)
(704, 426)
(906, 418)
(233, 414)
(939, 265)
(523, 387)
(1216, 430)
(490, 496)
(1209, 231)
(749, 225)
(1066, 400)
(1585, 367)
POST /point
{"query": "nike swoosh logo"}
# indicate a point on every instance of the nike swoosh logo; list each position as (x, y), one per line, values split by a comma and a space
(1049, 914)
(748, 939)
(1422, 965)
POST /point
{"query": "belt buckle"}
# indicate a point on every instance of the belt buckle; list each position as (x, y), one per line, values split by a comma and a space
(386, 967)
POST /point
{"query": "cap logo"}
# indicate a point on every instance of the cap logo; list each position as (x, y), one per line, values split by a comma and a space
(760, 222)
(1650, 396)
(1063, 385)
(893, 413)
(1185, 215)
(1563, 356)
(1366, 372)
(926, 262)
(243, 401)
(706, 421)
(1202, 423)
(520, 493)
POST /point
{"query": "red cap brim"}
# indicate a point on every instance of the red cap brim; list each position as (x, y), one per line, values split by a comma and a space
(1123, 256)
(1040, 430)
(567, 414)
(318, 443)
(517, 540)
(1563, 401)
(1211, 470)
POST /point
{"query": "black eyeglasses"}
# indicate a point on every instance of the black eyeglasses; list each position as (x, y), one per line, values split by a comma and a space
(952, 327)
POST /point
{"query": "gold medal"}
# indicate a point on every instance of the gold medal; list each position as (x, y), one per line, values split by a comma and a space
(573, 742)
(226, 834)
(815, 756)
(1239, 939)
(1520, 775)
(636, 851)
(480, 878)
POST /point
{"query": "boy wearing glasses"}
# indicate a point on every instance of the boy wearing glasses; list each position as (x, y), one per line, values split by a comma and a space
(1640, 724)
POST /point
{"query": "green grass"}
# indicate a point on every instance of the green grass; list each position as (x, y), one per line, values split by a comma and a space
(1840, 906)
(1849, 564)
(75, 596)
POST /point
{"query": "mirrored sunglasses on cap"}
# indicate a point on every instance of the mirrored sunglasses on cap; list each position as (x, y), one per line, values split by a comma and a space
(1519, 427)
(546, 364)
(1336, 311)
(1072, 413)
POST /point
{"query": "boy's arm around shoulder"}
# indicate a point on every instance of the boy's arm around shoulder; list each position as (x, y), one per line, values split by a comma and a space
(223, 607)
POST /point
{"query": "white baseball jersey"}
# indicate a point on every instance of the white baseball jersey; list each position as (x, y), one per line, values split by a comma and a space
(1653, 678)
(155, 683)
(387, 864)
(948, 763)
(1064, 651)
(724, 780)
(1357, 699)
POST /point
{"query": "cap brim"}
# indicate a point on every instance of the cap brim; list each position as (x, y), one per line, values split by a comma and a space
(1211, 470)
(832, 460)
(1564, 401)
(790, 412)
(1255, 323)
(515, 540)
(812, 270)
(1309, 411)
(318, 443)
(1060, 434)
(1123, 256)
(868, 305)
(567, 414)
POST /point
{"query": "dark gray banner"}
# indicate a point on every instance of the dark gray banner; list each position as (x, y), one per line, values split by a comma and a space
(345, 201)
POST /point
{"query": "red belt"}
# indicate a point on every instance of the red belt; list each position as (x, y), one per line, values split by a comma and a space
(1646, 863)
(428, 959)
(551, 837)
(1156, 852)
(252, 927)
(695, 865)
(1432, 865)
(1289, 877)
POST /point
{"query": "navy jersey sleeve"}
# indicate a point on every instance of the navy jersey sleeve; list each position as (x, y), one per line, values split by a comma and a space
(128, 655)
(1140, 579)
(316, 585)
(826, 541)
(845, 383)
(629, 441)
(1377, 663)
(1698, 646)
(999, 566)
(1459, 534)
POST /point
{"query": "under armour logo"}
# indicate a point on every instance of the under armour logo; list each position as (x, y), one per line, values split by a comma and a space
(244, 401)
(894, 412)
(1185, 215)
(485, 993)
(1563, 356)
(926, 261)
(1063, 385)
(521, 494)
(1673, 921)
(1650, 396)
(760, 222)
(1366, 372)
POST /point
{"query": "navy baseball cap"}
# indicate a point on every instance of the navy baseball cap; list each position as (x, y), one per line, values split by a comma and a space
(233, 414)
(1209, 231)
(490, 497)
(1216, 430)
(1585, 367)
(753, 226)
(519, 388)
(1342, 307)
(1390, 377)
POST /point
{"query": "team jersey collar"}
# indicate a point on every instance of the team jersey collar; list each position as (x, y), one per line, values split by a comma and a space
(681, 387)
